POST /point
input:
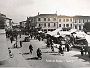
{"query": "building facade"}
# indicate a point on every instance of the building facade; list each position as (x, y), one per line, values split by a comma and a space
(4, 53)
(2, 21)
(65, 21)
(48, 22)
(79, 21)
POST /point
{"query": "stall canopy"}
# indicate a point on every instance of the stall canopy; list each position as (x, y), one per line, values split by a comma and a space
(72, 30)
(88, 38)
(64, 33)
(80, 34)
(56, 36)
(60, 32)
(54, 32)
(67, 32)
(39, 31)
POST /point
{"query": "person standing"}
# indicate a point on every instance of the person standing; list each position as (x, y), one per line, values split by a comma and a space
(66, 46)
(30, 48)
(81, 51)
(39, 53)
(11, 39)
(60, 49)
(20, 43)
(52, 48)
(20, 35)
(31, 36)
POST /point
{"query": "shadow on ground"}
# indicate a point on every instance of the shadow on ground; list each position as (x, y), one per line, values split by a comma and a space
(54, 54)
(49, 52)
(84, 57)
(43, 48)
(33, 58)
(26, 53)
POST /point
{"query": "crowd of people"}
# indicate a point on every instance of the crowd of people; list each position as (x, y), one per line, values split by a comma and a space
(50, 41)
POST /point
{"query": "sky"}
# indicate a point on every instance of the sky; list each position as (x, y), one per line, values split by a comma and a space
(19, 10)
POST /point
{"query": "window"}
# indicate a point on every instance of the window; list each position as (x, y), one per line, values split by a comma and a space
(59, 20)
(75, 27)
(54, 24)
(44, 19)
(79, 27)
(48, 19)
(63, 20)
(75, 21)
(67, 20)
(79, 21)
(59, 25)
(49, 29)
(63, 25)
(44, 24)
(48, 24)
(39, 25)
(54, 19)
(83, 21)
(39, 19)
(70, 20)
(67, 25)
(45, 29)
(71, 25)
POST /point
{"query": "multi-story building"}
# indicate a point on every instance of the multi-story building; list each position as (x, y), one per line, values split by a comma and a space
(4, 54)
(48, 22)
(2, 21)
(78, 21)
(65, 21)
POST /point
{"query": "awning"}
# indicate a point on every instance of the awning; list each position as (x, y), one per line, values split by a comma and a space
(54, 32)
(88, 38)
(39, 31)
(56, 35)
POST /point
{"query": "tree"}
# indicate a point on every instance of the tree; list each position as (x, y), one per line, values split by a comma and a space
(87, 26)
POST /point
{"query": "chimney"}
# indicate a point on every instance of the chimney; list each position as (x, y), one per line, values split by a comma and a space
(38, 13)
(56, 12)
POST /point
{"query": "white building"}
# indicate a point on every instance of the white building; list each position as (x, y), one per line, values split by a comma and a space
(65, 21)
(48, 22)
(78, 21)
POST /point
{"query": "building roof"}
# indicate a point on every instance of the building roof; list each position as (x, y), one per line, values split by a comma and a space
(2, 14)
(8, 18)
(47, 15)
(63, 16)
(83, 17)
